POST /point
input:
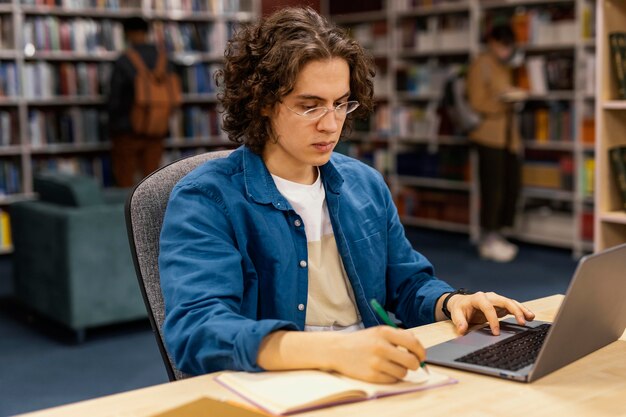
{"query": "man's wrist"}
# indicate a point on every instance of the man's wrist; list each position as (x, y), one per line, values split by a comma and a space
(446, 301)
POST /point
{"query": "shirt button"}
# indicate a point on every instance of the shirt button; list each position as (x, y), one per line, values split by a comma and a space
(303, 264)
(297, 223)
(301, 307)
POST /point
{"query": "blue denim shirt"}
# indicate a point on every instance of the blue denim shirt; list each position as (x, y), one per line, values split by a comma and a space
(231, 259)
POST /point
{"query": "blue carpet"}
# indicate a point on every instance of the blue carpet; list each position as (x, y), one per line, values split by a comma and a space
(40, 367)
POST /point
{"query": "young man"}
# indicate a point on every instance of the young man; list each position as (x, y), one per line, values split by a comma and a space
(284, 236)
(497, 140)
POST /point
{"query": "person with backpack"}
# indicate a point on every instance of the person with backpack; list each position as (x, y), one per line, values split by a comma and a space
(496, 138)
(144, 90)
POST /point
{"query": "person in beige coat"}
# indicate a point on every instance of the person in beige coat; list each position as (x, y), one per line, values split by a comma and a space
(497, 140)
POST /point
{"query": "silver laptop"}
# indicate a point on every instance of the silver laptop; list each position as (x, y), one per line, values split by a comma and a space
(592, 315)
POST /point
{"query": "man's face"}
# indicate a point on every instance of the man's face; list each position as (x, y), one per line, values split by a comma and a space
(304, 144)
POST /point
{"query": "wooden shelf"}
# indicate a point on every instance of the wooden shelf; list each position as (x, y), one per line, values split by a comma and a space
(360, 17)
(443, 8)
(433, 183)
(82, 12)
(550, 145)
(613, 217)
(434, 224)
(67, 101)
(500, 4)
(10, 150)
(61, 148)
(614, 105)
(547, 193)
(73, 56)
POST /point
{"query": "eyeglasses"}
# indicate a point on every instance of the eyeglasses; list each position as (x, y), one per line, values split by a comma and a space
(341, 110)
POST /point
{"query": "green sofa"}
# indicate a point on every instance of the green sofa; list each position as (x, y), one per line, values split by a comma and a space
(72, 260)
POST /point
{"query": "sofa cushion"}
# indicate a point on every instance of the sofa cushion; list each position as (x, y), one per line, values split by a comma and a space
(67, 189)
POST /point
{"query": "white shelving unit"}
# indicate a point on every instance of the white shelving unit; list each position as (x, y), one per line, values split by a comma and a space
(20, 151)
(428, 18)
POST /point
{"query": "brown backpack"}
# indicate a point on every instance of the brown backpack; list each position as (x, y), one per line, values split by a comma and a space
(157, 94)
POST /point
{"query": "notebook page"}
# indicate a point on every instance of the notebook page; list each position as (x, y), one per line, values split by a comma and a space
(413, 381)
(282, 391)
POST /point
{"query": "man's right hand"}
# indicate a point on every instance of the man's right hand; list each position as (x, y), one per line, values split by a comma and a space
(379, 354)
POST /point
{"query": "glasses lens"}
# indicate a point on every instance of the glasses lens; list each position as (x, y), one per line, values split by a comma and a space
(347, 107)
(315, 113)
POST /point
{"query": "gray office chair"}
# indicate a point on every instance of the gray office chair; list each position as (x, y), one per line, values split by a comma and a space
(145, 208)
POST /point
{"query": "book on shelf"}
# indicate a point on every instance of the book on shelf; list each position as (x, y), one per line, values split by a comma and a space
(5, 230)
(9, 86)
(617, 155)
(617, 47)
(10, 177)
(290, 392)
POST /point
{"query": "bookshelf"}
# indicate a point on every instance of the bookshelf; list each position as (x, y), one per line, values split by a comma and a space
(55, 62)
(428, 38)
(610, 219)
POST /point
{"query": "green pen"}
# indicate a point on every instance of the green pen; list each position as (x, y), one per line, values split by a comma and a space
(385, 318)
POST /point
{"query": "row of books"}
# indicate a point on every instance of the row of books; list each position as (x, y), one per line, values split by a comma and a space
(554, 123)
(207, 37)
(617, 156)
(617, 45)
(375, 155)
(86, 4)
(372, 36)
(436, 33)
(422, 79)
(541, 26)
(542, 74)
(6, 241)
(433, 205)
(10, 177)
(8, 128)
(7, 39)
(417, 121)
(196, 122)
(207, 6)
(199, 78)
(379, 123)
(46, 80)
(450, 163)
(548, 170)
(9, 86)
(79, 35)
(407, 5)
(96, 166)
(73, 125)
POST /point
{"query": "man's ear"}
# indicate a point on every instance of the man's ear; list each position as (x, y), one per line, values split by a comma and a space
(268, 111)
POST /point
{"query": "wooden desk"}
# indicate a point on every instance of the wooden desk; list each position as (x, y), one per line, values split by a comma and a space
(592, 386)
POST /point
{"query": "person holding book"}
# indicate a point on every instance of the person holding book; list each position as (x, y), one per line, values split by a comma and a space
(269, 258)
(497, 140)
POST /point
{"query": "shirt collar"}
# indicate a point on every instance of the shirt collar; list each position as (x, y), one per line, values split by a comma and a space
(260, 185)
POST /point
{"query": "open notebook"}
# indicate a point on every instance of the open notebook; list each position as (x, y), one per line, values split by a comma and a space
(290, 392)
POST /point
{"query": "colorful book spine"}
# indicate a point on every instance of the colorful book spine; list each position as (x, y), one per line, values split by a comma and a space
(617, 155)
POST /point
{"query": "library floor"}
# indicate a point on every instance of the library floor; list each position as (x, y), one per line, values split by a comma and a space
(40, 367)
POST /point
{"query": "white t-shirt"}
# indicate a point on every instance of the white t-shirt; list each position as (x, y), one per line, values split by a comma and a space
(330, 301)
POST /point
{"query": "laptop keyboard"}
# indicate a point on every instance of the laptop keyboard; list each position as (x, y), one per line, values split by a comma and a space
(511, 354)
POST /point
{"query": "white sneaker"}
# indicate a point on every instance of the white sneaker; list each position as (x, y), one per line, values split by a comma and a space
(498, 237)
(497, 251)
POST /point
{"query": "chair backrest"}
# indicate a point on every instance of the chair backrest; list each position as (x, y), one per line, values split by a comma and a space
(145, 208)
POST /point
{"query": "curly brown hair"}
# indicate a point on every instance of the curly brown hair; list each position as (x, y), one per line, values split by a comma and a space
(264, 59)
